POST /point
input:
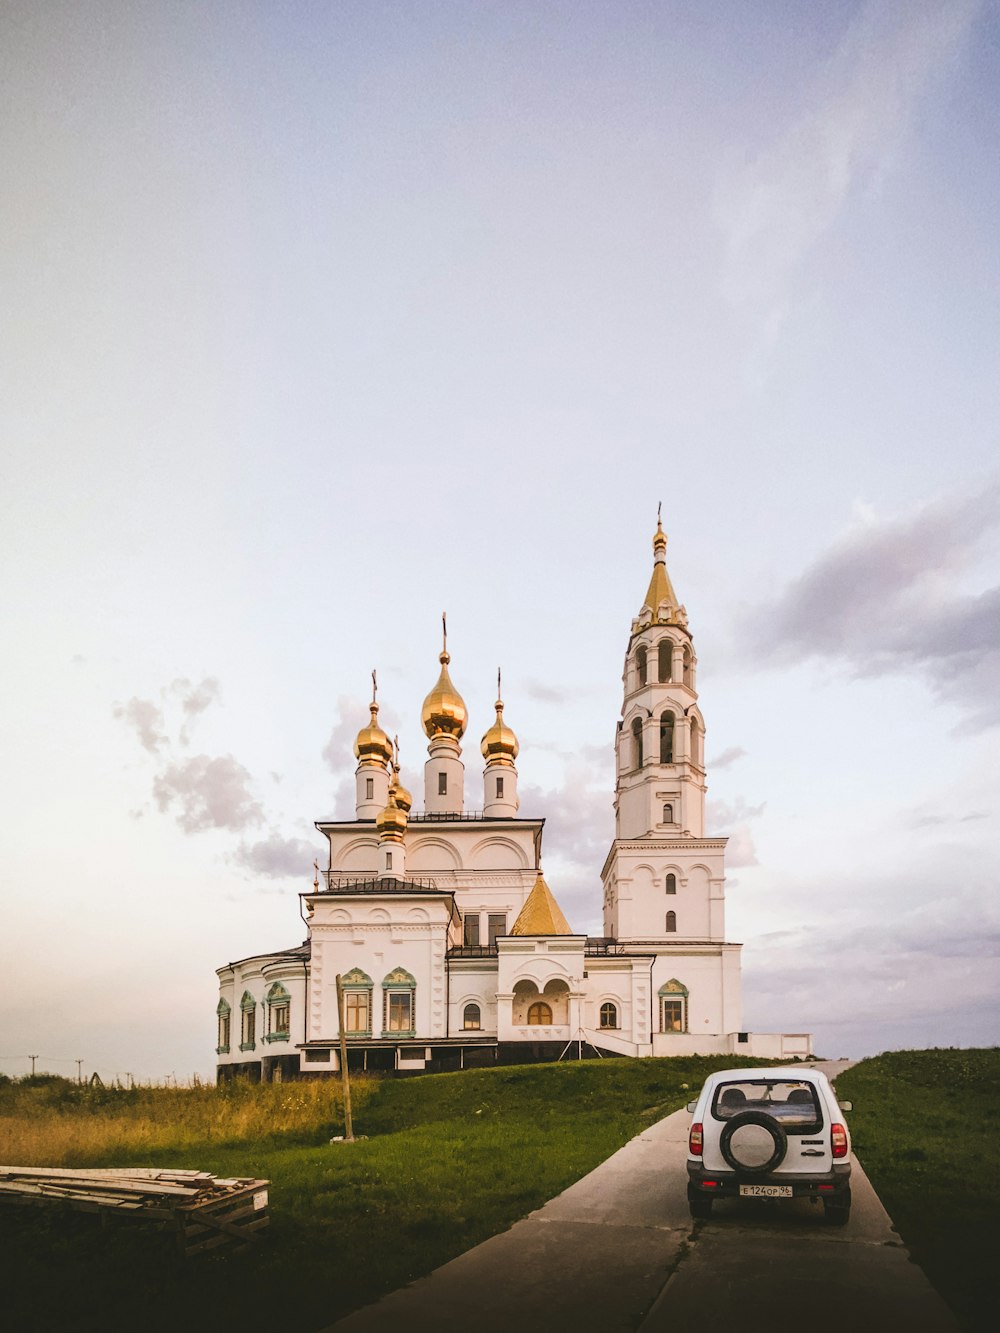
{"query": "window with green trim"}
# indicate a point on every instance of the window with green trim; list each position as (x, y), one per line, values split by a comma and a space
(279, 1013)
(357, 987)
(673, 1006)
(248, 1026)
(399, 1004)
(224, 1014)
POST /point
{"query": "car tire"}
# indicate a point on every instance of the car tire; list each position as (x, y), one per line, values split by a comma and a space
(699, 1204)
(766, 1122)
(837, 1211)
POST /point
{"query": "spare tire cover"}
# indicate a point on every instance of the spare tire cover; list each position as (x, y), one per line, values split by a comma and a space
(754, 1143)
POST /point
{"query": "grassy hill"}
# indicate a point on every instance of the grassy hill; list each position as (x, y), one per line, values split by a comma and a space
(450, 1160)
(926, 1127)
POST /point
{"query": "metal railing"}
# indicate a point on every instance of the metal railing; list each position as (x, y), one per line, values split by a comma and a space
(340, 883)
(430, 817)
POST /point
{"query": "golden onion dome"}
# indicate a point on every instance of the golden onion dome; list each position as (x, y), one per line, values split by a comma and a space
(391, 822)
(372, 743)
(403, 798)
(499, 745)
(444, 711)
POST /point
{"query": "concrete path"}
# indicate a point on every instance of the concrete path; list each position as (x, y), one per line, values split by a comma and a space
(618, 1251)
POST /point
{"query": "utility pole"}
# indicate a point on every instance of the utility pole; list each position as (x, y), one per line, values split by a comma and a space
(79, 1071)
(345, 1076)
(32, 1058)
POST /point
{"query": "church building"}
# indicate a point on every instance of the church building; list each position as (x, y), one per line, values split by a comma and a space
(452, 949)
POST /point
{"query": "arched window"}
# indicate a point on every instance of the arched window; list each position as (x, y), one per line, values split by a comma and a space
(640, 663)
(248, 1026)
(609, 1015)
(671, 887)
(539, 1014)
(687, 665)
(357, 986)
(637, 742)
(671, 923)
(668, 814)
(472, 1018)
(224, 1012)
(695, 747)
(279, 1008)
(398, 996)
(667, 737)
(664, 660)
(673, 1006)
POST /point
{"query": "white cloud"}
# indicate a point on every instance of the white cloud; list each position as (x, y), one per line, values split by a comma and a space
(727, 758)
(917, 946)
(208, 793)
(775, 210)
(146, 720)
(888, 597)
(194, 701)
(277, 857)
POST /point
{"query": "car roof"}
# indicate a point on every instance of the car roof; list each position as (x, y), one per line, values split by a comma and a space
(793, 1073)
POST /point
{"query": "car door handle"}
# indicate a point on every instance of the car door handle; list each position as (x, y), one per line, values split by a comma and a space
(813, 1152)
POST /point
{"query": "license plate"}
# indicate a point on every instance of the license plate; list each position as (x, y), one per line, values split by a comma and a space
(766, 1191)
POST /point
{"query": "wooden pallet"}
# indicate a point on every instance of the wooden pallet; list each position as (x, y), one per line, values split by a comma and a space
(202, 1211)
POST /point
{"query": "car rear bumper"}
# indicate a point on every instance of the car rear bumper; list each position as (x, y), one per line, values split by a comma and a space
(726, 1184)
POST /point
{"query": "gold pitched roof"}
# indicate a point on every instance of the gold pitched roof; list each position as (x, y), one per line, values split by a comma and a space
(660, 588)
(541, 914)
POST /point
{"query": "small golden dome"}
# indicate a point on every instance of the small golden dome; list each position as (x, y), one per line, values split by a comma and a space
(659, 538)
(499, 744)
(391, 822)
(444, 710)
(403, 798)
(372, 743)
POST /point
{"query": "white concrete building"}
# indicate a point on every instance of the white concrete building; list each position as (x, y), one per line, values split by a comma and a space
(450, 945)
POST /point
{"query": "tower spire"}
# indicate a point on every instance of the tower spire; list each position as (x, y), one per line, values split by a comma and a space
(660, 588)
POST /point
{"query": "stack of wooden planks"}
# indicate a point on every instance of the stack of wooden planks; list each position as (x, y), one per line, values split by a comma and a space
(202, 1210)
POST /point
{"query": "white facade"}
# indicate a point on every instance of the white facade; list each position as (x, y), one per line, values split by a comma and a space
(449, 945)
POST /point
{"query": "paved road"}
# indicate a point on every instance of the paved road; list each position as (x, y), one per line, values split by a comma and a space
(617, 1252)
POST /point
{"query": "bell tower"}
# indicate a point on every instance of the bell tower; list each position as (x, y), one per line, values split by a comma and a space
(659, 751)
(663, 878)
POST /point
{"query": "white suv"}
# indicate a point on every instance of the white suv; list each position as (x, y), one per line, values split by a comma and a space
(769, 1133)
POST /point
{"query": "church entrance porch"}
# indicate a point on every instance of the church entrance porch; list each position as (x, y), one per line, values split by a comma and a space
(548, 1007)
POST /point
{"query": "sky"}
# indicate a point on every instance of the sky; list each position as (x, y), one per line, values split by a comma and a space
(319, 319)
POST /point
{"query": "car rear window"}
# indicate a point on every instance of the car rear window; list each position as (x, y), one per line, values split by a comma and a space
(794, 1104)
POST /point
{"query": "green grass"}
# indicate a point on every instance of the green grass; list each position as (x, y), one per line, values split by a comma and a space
(926, 1127)
(451, 1159)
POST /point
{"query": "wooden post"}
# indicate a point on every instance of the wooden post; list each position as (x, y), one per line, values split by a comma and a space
(345, 1076)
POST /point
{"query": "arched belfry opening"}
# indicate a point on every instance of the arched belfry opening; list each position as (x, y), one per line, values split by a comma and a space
(664, 661)
(666, 737)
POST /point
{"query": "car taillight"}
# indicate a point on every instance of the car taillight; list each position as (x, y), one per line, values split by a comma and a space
(695, 1140)
(838, 1140)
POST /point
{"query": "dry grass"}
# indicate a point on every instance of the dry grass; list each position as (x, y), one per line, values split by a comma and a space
(59, 1124)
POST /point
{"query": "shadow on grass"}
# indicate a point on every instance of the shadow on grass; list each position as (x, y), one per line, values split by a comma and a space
(926, 1127)
(450, 1160)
